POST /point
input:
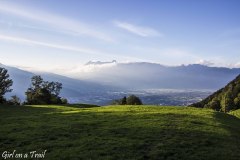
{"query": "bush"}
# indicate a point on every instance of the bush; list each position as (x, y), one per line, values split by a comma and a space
(134, 100)
(44, 92)
(14, 101)
(64, 101)
(131, 100)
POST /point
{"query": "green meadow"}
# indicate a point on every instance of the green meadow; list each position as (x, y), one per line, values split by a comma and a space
(120, 132)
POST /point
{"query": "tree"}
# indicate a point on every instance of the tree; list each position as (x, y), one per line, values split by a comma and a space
(14, 101)
(64, 101)
(133, 100)
(215, 104)
(124, 101)
(237, 102)
(37, 82)
(43, 92)
(53, 87)
(227, 103)
(5, 84)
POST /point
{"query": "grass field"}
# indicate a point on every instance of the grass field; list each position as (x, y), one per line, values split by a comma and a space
(235, 113)
(120, 132)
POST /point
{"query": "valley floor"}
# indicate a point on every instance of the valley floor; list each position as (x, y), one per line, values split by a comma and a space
(120, 132)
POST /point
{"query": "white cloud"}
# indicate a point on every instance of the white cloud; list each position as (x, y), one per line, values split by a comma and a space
(90, 68)
(81, 50)
(219, 62)
(50, 45)
(138, 30)
(205, 62)
(237, 65)
(62, 24)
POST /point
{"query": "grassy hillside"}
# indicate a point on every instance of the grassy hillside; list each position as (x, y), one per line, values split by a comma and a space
(225, 99)
(235, 113)
(120, 132)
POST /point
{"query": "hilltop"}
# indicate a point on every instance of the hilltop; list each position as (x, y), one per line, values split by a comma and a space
(120, 132)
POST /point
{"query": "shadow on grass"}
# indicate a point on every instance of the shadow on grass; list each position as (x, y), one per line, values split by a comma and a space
(122, 135)
(232, 125)
(156, 136)
(171, 136)
(24, 110)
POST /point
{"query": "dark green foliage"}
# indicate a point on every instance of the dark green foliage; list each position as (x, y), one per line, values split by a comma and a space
(215, 105)
(14, 101)
(134, 100)
(124, 100)
(44, 92)
(64, 101)
(37, 82)
(225, 99)
(131, 100)
(5, 84)
(237, 101)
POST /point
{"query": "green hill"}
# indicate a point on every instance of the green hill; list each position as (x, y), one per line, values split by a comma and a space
(225, 99)
(120, 132)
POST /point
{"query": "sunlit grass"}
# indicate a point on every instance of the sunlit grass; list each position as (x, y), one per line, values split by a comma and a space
(235, 113)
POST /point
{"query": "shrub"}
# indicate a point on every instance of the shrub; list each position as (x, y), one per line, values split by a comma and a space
(131, 100)
(14, 101)
(134, 100)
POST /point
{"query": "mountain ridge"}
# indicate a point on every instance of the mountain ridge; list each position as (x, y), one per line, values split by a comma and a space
(146, 75)
(98, 88)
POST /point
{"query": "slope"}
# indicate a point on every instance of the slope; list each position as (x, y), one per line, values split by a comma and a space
(225, 99)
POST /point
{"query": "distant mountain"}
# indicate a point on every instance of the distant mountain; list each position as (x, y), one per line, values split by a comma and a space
(142, 75)
(73, 89)
(225, 99)
(21, 80)
(101, 82)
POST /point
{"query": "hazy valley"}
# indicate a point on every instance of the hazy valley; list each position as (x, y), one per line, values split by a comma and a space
(154, 83)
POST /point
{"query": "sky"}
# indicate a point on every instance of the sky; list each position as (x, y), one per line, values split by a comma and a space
(64, 34)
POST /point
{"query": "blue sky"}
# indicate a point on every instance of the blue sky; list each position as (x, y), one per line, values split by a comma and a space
(61, 34)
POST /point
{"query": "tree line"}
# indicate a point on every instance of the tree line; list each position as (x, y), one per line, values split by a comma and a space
(40, 91)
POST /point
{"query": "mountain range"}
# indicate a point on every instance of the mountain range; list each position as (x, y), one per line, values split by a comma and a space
(108, 80)
(143, 75)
